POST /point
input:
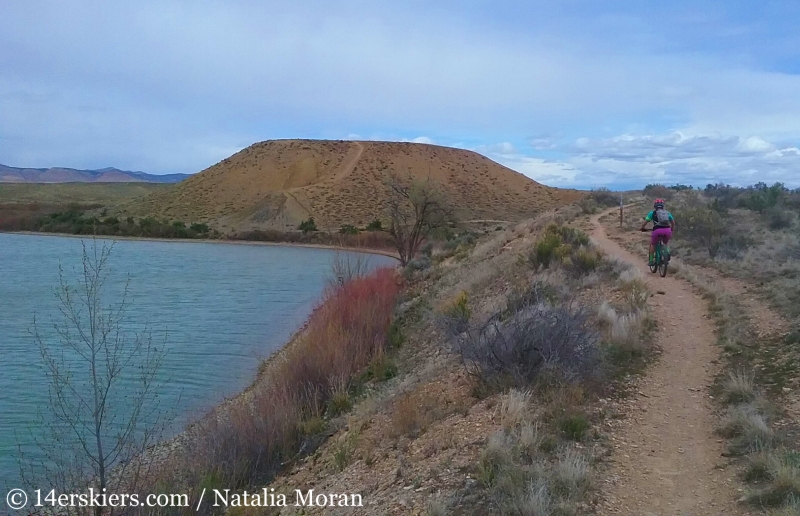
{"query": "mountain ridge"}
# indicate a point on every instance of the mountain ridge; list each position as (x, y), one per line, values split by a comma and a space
(9, 174)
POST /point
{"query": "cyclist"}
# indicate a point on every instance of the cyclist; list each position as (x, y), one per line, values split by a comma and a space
(663, 224)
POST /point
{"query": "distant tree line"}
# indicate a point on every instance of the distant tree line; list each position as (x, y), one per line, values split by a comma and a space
(76, 222)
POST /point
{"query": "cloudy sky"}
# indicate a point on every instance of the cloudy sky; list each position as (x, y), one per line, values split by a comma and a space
(571, 93)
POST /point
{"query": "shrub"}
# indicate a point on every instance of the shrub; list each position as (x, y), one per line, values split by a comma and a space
(544, 251)
(574, 426)
(658, 191)
(748, 430)
(704, 227)
(778, 218)
(517, 349)
(375, 225)
(739, 387)
(457, 314)
(308, 225)
(345, 333)
(347, 229)
(571, 475)
(604, 197)
(584, 261)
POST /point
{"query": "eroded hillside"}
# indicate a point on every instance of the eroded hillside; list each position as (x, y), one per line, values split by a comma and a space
(276, 184)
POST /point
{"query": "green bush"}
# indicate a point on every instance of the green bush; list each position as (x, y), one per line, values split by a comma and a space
(348, 229)
(308, 225)
(574, 426)
(658, 191)
(375, 225)
(544, 251)
(703, 226)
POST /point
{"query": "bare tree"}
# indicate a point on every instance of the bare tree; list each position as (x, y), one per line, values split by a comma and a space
(103, 409)
(415, 209)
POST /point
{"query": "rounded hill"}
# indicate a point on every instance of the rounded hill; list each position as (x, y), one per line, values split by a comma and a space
(278, 183)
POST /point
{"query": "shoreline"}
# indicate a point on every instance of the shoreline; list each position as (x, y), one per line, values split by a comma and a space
(364, 250)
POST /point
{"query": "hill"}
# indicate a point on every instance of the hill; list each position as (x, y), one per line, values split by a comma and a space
(276, 184)
(71, 175)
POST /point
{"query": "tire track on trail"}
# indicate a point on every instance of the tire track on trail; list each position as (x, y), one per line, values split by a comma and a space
(667, 460)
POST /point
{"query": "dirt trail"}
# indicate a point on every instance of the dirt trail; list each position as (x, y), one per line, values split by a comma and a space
(350, 165)
(667, 460)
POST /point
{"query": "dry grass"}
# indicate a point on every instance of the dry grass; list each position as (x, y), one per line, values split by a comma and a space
(747, 430)
(739, 387)
(250, 441)
(514, 408)
(276, 184)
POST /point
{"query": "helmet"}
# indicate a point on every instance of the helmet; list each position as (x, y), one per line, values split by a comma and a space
(659, 203)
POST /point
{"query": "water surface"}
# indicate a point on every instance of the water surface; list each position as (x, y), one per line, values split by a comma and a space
(223, 308)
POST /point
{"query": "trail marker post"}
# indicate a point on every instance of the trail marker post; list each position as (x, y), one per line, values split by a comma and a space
(620, 210)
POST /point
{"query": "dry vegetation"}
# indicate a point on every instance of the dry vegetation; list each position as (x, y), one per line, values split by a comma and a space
(752, 236)
(278, 184)
(458, 406)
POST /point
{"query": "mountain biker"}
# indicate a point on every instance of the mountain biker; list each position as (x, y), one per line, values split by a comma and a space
(663, 224)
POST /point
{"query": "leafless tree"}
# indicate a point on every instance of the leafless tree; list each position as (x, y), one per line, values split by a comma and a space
(103, 409)
(415, 209)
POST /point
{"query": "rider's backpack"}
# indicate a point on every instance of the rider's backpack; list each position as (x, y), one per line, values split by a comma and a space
(661, 218)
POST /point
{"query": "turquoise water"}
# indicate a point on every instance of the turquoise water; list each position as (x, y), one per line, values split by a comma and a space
(223, 308)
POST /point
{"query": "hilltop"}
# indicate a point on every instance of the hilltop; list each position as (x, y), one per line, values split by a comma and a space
(72, 175)
(276, 184)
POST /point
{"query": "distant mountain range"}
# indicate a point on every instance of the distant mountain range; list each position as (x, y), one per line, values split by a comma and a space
(71, 175)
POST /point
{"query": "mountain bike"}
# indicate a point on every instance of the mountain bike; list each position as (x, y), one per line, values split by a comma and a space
(661, 259)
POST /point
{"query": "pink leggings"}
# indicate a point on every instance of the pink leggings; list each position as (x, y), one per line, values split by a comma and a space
(661, 233)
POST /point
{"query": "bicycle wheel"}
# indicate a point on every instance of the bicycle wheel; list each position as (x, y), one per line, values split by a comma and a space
(656, 259)
(662, 267)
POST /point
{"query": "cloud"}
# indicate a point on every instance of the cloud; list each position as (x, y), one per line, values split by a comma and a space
(167, 86)
(678, 158)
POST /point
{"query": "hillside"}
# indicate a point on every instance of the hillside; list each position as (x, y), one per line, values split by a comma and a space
(71, 175)
(276, 184)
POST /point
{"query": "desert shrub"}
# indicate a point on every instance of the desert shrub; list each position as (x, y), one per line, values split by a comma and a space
(574, 426)
(308, 226)
(588, 205)
(544, 251)
(417, 264)
(375, 225)
(703, 226)
(348, 331)
(604, 197)
(781, 470)
(537, 293)
(778, 218)
(584, 261)
(571, 474)
(747, 429)
(456, 314)
(348, 229)
(559, 243)
(517, 349)
(658, 191)
(739, 387)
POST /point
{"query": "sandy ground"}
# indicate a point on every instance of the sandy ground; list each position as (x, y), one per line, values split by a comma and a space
(667, 460)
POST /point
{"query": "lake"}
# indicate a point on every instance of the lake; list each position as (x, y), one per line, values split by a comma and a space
(223, 308)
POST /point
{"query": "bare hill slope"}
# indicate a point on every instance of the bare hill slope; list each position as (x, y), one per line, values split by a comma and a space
(278, 183)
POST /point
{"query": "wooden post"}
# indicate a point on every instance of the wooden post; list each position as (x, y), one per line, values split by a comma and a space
(620, 210)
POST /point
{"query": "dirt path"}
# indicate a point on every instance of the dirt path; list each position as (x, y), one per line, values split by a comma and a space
(667, 460)
(350, 165)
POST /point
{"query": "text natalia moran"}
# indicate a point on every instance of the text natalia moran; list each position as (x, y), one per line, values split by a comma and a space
(269, 498)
